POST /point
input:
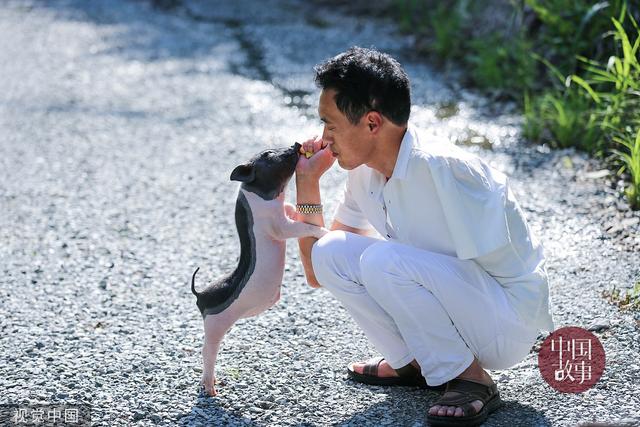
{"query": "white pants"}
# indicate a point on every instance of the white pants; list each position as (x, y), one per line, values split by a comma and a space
(415, 304)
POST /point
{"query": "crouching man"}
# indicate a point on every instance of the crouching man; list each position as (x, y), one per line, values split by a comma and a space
(457, 284)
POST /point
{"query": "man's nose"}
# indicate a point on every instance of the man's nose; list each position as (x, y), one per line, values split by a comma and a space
(325, 136)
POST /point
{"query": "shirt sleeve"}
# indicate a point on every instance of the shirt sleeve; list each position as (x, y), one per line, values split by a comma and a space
(348, 212)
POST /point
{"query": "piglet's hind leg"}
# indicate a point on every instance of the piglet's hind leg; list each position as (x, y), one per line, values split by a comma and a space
(215, 327)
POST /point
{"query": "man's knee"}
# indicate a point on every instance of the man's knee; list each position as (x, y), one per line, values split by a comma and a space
(324, 253)
(376, 263)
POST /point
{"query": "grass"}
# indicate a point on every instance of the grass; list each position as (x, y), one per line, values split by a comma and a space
(631, 160)
(629, 299)
(446, 24)
(614, 87)
(573, 66)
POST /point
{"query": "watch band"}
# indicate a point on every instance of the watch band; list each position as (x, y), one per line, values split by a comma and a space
(308, 209)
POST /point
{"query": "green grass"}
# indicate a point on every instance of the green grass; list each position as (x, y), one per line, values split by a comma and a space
(574, 68)
(630, 155)
(562, 119)
(626, 300)
(446, 24)
(533, 127)
(614, 87)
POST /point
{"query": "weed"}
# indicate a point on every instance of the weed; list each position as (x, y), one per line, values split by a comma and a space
(615, 89)
(446, 24)
(627, 300)
(233, 373)
(533, 125)
(631, 159)
(562, 119)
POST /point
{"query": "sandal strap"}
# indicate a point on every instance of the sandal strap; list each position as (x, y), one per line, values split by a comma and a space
(371, 366)
(467, 391)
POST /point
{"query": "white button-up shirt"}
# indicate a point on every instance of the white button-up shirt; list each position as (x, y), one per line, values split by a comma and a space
(443, 199)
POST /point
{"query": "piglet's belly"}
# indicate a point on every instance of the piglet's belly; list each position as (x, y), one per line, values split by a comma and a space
(262, 290)
(259, 295)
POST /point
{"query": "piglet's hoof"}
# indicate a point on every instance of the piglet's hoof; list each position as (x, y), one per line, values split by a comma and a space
(209, 389)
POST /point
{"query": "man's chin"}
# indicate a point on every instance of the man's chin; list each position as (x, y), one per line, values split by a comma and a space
(345, 166)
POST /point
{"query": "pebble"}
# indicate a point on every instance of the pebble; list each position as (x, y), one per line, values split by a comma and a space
(137, 416)
(599, 325)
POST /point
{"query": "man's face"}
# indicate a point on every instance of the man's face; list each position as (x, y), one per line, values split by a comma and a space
(351, 144)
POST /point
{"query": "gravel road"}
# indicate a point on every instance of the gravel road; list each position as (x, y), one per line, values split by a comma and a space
(119, 126)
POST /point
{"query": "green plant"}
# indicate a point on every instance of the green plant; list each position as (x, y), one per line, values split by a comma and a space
(412, 15)
(574, 27)
(496, 63)
(615, 89)
(448, 39)
(615, 86)
(533, 126)
(629, 300)
(569, 119)
(487, 59)
(631, 160)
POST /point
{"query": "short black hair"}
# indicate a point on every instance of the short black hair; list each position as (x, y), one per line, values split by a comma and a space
(364, 80)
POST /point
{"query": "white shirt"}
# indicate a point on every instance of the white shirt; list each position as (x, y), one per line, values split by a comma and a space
(443, 199)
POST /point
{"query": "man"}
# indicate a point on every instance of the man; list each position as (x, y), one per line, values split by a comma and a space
(457, 283)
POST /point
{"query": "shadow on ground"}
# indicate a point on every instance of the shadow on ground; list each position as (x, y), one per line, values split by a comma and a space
(512, 413)
(208, 411)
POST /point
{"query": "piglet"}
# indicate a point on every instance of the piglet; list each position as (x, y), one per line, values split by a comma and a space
(263, 225)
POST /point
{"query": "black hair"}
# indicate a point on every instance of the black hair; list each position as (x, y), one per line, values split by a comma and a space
(365, 80)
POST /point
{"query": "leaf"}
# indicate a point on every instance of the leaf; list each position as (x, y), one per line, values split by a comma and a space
(586, 87)
(593, 10)
(550, 66)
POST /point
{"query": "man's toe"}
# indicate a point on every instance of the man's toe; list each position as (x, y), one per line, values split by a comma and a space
(357, 367)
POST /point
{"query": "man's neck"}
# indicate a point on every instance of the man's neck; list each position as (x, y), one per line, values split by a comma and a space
(387, 148)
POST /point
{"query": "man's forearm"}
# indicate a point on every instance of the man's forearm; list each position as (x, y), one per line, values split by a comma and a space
(308, 191)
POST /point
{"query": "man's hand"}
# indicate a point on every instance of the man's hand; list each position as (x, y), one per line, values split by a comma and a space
(321, 159)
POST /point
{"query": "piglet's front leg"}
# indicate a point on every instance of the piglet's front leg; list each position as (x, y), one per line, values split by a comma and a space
(285, 228)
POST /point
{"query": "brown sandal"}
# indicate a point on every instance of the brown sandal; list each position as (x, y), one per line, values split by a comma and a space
(408, 375)
(467, 391)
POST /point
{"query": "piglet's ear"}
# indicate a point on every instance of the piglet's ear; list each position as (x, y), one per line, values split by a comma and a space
(243, 173)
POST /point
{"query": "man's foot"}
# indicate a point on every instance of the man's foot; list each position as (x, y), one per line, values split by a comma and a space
(474, 373)
(384, 369)
(376, 371)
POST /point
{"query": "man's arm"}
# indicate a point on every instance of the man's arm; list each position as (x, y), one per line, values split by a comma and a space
(308, 191)
(306, 243)
(308, 173)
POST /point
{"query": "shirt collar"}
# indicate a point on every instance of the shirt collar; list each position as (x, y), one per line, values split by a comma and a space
(402, 162)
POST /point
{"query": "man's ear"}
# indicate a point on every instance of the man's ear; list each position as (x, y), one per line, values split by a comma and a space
(243, 173)
(374, 120)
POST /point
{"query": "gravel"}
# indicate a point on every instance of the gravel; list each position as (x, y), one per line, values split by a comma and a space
(119, 125)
